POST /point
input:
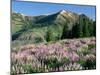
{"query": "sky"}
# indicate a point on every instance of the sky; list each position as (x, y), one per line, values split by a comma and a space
(38, 8)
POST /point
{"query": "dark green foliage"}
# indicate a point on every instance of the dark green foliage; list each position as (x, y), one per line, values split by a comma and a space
(77, 31)
(29, 68)
(55, 63)
(38, 40)
(91, 46)
(80, 33)
(94, 28)
(88, 64)
(48, 35)
(85, 28)
(17, 34)
(82, 28)
(65, 32)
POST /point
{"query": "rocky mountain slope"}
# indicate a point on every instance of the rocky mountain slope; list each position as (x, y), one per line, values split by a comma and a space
(60, 25)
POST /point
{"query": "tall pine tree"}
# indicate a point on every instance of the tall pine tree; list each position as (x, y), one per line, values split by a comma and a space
(85, 28)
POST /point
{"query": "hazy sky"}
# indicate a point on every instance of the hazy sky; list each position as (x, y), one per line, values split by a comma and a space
(36, 8)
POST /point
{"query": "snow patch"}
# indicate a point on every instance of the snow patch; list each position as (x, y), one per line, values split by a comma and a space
(63, 11)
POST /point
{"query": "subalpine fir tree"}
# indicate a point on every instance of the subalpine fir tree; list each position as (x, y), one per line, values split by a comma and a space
(65, 32)
(85, 28)
(91, 27)
(80, 27)
(75, 30)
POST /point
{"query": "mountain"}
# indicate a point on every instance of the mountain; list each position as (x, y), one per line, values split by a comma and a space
(60, 25)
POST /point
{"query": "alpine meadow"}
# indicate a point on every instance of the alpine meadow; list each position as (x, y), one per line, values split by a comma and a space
(62, 39)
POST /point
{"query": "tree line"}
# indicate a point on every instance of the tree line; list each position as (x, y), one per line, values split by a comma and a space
(83, 28)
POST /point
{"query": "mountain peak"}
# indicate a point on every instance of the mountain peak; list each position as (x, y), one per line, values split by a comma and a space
(62, 11)
(83, 15)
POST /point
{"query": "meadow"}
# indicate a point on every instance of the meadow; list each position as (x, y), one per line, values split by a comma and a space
(64, 55)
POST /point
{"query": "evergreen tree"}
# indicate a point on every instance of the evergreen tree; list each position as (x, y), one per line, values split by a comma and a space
(48, 35)
(75, 30)
(65, 32)
(80, 26)
(94, 28)
(85, 28)
(91, 27)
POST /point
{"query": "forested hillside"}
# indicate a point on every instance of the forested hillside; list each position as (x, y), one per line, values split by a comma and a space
(44, 28)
